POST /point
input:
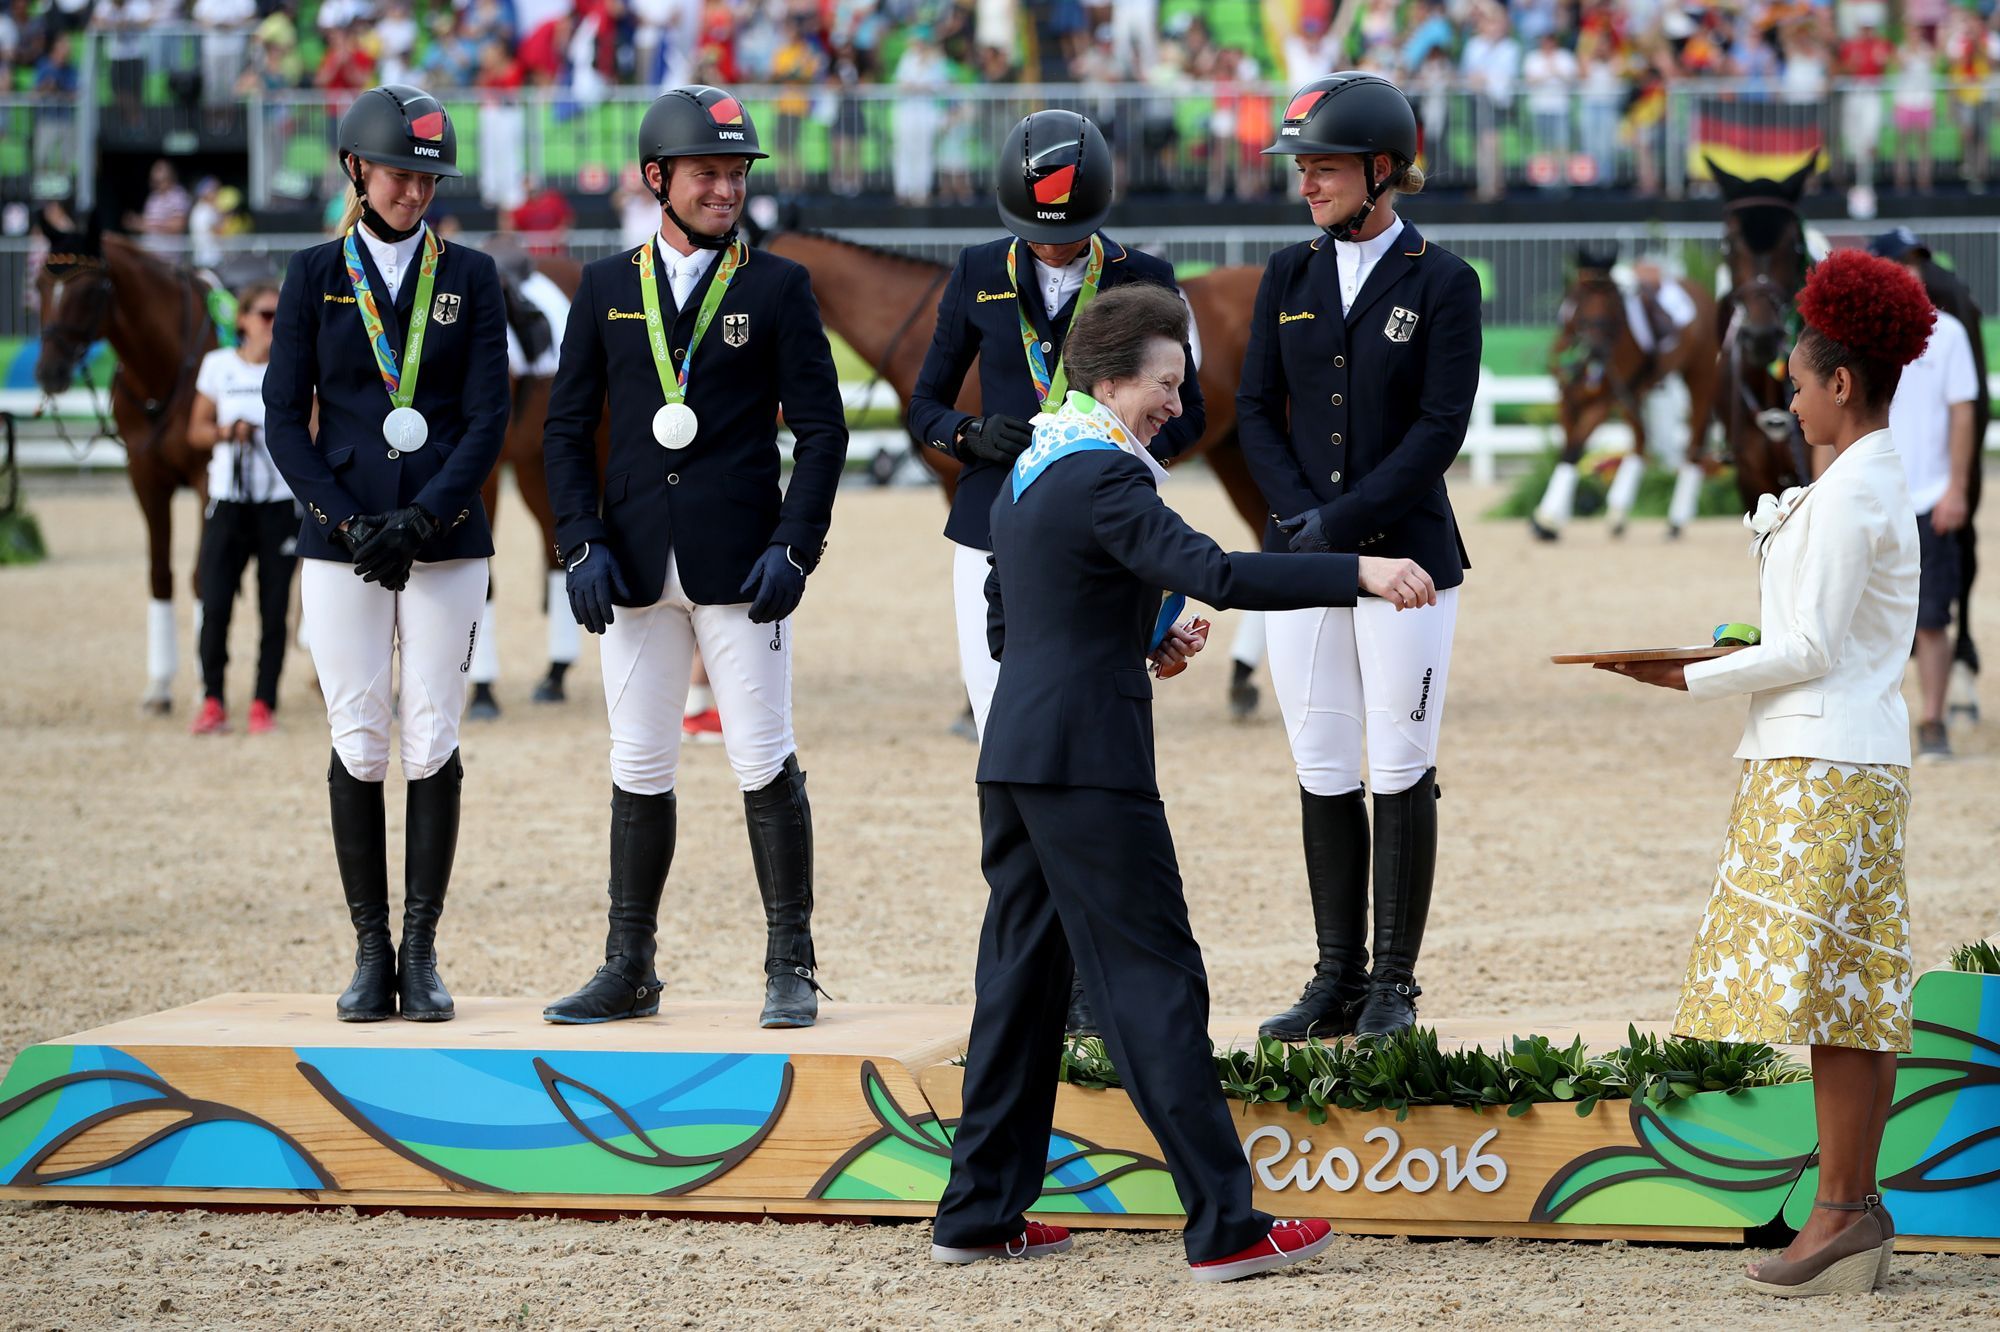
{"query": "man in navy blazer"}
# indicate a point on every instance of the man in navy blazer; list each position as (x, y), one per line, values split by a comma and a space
(693, 543)
(1077, 852)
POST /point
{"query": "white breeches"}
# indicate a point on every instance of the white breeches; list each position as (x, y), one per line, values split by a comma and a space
(969, 568)
(359, 630)
(1366, 680)
(648, 655)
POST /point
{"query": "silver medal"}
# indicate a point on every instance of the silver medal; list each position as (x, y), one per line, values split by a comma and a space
(674, 425)
(406, 430)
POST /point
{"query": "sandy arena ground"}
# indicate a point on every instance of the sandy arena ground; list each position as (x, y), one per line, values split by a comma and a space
(145, 868)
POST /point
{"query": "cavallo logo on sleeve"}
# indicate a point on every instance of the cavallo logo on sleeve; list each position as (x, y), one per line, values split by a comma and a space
(615, 313)
(986, 296)
(1284, 318)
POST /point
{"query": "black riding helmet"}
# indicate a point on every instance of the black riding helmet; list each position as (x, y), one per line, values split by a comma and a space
(696, 121)
(397, 125)
(1350, 112)
(1054, 178)
(400, 126)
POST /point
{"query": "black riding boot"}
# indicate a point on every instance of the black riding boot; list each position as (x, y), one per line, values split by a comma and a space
(360, 849)
(1336, 840)
(1081, 1021)
(430, 843)
(780, 823)
(1405, 864)
(642, 851)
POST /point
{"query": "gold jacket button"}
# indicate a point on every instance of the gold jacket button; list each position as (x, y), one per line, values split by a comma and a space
(1337, 400)
(1336, 437)
(673, 478)
(1335, 478)
(1340, 362)
(393, 455)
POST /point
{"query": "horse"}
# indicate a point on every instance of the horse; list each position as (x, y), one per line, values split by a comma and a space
(1764, 249)
(1604, 374)
(885, 305)
(155, 315)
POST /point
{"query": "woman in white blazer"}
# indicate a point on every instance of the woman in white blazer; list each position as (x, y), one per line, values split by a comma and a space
(1806, 939)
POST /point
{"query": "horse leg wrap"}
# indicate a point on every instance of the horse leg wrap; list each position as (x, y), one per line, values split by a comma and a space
(162, 650)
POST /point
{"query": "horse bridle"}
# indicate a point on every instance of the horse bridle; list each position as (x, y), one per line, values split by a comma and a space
(1599, 337)
(1743, 339)
(73, 339)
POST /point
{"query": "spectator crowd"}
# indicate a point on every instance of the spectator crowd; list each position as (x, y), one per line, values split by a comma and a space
(1571, 92)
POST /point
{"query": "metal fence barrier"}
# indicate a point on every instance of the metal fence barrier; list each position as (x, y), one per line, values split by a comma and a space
(173, 87)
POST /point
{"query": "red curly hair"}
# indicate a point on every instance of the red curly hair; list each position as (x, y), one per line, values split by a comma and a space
(1868, 314)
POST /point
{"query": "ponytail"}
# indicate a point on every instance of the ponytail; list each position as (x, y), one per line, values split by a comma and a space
(355, 203)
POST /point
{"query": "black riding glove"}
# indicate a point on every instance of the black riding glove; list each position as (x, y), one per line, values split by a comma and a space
(996, 439)
(354, 534)
(775, 585)
(595, 585)
(386, 557)
(1305, 532)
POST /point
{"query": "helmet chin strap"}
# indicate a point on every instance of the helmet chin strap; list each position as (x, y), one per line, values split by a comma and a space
(375, 222)
(699, 240)
(1348, 230)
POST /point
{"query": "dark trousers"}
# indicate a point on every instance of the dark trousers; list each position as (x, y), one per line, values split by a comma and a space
(233, 534)
(1088, 874)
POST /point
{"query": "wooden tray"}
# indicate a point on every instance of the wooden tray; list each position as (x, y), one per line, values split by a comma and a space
(1643, 654)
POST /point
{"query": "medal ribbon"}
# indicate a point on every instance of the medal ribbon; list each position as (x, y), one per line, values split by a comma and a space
(1050, 388)
(672, 384)
(400, 380)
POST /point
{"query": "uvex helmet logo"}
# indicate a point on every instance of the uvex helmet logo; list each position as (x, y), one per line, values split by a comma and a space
(1304, 105)
(429, 125)
(728, 111)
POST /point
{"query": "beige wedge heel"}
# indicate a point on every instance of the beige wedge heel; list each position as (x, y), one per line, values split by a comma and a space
(1854, 1262)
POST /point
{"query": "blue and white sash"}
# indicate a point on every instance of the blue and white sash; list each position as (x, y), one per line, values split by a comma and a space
(1082, 425)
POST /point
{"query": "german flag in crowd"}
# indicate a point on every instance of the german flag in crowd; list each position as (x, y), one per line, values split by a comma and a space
(1752, 140)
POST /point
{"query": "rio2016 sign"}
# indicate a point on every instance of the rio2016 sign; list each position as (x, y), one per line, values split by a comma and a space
(1417, 1170)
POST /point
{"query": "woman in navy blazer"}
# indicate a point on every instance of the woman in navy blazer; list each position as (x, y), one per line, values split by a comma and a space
(385, 405)
(1358, 382)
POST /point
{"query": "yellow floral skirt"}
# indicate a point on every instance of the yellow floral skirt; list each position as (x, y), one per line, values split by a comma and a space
(1806, 939)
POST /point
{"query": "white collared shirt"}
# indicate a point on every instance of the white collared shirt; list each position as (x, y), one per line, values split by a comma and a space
(1057, 285)
(683, 270)
(1355, 260)
(393, 259)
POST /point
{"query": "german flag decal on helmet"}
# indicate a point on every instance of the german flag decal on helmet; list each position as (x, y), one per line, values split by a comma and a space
(1305, 104)
(1054, 188)
(728, 111)
(429, 126)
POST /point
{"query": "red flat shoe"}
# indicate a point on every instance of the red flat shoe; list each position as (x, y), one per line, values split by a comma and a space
(1289, 1242)
(1037, 1241)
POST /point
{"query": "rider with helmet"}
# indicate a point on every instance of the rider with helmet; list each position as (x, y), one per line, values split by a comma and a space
(385, 406)
(694, 342)
(1010, 304)
(1357, 386)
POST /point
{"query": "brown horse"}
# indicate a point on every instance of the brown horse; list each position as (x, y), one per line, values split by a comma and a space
(1604, 374)
(885, 305)
(1764, 247)
(155, 316)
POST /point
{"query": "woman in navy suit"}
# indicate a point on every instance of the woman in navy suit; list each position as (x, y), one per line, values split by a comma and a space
(385, 406)
(1357, 386)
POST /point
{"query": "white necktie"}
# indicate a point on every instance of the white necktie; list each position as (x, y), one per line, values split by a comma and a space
(686, 275)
